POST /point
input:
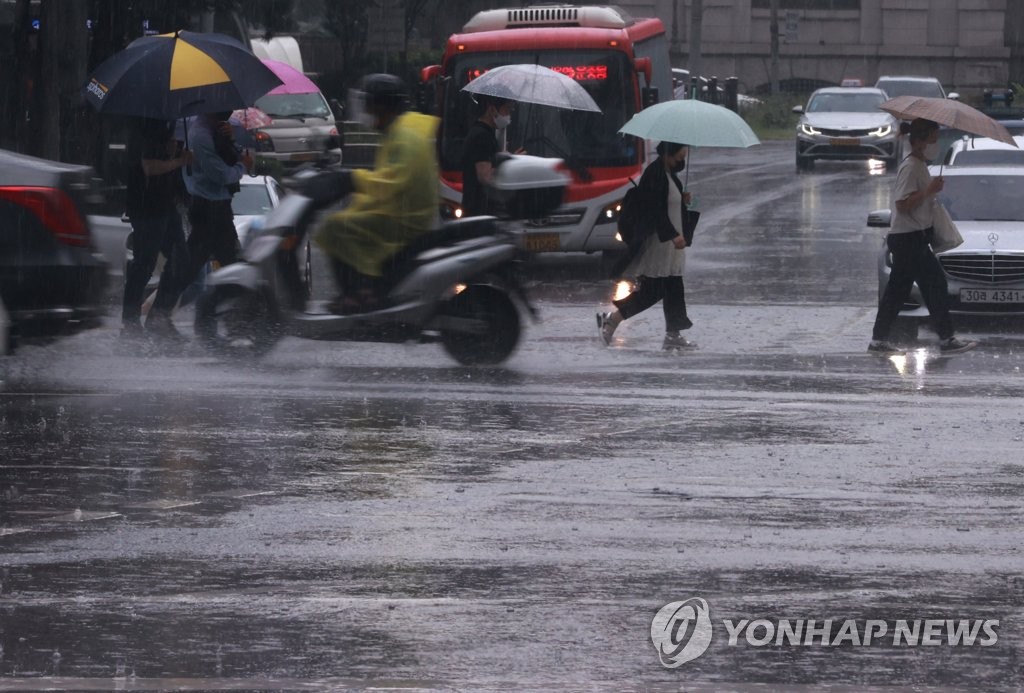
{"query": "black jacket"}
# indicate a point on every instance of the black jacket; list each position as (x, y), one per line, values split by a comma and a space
(654, 184)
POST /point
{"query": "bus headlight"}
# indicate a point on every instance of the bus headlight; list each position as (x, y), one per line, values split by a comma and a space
(610, 214)
(450, 210)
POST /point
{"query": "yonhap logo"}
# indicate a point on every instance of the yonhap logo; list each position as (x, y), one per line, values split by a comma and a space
(681, 631)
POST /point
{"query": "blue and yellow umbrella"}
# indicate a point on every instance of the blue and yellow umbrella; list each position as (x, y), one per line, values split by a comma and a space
(171, 76)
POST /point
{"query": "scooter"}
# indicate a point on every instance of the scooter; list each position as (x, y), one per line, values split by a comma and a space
(458, 284)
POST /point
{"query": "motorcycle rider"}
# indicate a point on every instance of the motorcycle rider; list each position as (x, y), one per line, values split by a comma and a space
(391, 204)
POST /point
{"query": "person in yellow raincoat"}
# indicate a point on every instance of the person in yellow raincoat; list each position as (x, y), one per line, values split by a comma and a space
(391, 204)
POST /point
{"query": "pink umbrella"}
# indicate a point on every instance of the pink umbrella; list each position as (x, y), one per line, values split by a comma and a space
(293, 81)
(251, 118)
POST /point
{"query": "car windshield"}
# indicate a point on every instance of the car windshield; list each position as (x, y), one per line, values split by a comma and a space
(845, 103)
(251, 200)
(294, 105)
(984, 197)
(914, 87)
(580, 137)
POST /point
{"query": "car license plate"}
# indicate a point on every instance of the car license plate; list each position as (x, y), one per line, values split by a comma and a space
(303, 156)
(542, 242)
(992, 295)
(845, 142)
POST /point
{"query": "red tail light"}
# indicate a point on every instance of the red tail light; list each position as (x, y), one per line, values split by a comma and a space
(54, 209)
(264, 143)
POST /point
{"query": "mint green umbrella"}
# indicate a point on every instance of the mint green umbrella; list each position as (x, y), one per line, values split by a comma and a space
(691, 122)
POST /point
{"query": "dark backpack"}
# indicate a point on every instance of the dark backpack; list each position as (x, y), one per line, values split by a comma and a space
(631, 216)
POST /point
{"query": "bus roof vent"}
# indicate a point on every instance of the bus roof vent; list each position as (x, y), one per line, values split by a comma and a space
(598, 16)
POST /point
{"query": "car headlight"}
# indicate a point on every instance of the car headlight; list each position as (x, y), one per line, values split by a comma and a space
(882, 131)
(610, 214)
(808, 130)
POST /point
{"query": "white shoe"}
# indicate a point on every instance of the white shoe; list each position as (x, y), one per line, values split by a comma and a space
(607, 327)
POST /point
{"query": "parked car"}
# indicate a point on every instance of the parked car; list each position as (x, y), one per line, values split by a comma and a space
(983, 151)
(910, 85)
(845, 123)
(52, 279)
(985, 273)
(948, 136)
(302, 121)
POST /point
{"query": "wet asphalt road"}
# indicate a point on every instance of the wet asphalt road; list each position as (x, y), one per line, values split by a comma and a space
(372, 516)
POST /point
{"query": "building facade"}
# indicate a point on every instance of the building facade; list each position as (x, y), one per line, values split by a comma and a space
(968, 45)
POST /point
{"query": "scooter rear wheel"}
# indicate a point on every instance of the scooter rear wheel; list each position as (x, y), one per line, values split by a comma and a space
(489, 329)
(232, 321)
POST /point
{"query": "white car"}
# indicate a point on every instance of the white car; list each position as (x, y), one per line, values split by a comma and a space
(258, 195)
(911, 85)
(983, 151)
(845, 123)
(985, 273)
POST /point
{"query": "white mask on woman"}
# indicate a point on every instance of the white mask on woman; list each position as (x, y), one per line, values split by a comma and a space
(931, 151)
(502, 121)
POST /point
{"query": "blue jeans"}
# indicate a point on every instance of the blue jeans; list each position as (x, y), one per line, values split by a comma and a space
(150, 238)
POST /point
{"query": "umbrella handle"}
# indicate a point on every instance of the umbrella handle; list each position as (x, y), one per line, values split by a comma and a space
(184, 124)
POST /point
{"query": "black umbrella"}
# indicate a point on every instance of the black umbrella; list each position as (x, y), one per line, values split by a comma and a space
(175, 75)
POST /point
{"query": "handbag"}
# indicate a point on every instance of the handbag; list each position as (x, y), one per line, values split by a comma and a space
(945, 234)
(690, 219)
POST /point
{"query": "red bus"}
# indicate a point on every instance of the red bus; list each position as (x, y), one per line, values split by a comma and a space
(623, 64)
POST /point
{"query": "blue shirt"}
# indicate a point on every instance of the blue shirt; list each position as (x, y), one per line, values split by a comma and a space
(210, 176)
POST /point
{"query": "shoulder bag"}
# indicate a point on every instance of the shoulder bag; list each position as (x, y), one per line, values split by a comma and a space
(945, 235)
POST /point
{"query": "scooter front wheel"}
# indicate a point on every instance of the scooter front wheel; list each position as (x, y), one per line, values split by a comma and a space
(481, 327)
(231, 320)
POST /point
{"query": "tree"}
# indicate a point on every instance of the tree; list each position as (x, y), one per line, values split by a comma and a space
(61, 75)
(348, 20)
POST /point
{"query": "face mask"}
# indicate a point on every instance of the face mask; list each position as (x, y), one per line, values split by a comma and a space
(502, 121)
(931, 151)
(679, 166)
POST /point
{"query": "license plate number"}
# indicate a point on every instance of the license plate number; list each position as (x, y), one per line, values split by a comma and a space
(845, 142)
(303, 156)
(542, 242)
(992, 295)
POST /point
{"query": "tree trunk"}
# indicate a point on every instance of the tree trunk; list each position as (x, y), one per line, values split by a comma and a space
(15, 81)
(696, 22)
(63, 59)
(773, 28)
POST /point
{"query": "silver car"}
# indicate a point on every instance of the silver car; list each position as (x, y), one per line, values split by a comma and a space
(985, 273)
(912, 85)
(846, 123)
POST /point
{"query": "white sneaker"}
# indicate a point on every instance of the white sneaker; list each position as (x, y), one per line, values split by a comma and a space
(606, 326)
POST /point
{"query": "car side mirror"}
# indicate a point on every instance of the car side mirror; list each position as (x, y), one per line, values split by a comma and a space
(798, 109)
(953, 95)
(880, 219)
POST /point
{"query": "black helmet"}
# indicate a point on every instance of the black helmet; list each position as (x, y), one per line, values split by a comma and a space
(385, 91)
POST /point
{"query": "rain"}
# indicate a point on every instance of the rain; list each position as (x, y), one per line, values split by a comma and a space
(346, 514)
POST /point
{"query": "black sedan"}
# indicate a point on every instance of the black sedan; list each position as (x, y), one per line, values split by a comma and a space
(52, 280)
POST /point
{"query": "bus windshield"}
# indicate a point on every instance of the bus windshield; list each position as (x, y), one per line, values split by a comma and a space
(582, 138)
